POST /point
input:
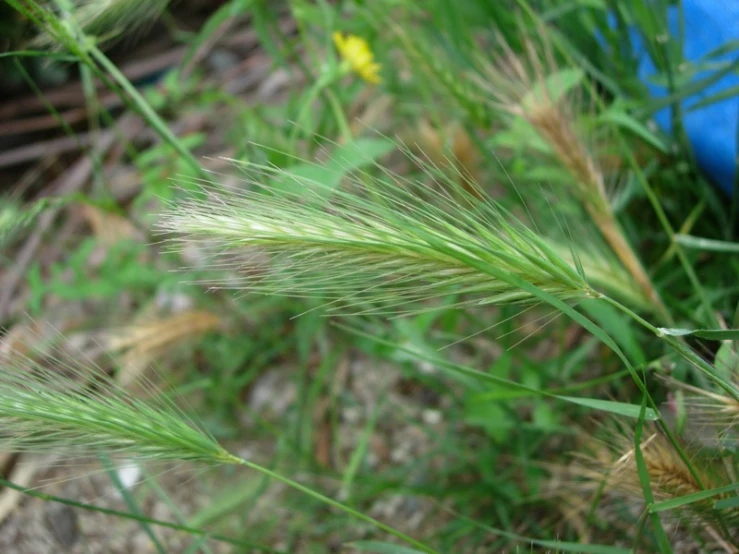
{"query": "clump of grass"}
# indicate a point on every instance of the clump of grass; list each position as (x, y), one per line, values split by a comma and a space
(386, 241)
(377, 244)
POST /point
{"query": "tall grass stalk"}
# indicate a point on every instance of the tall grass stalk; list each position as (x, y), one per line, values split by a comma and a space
(529, 87)
(562, 45)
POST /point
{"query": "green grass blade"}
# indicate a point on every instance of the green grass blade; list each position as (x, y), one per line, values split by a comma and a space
(695, 497)
(131, 503)
(381, 547)
(338, 505)
(646, 484)
(134, 517)
(727, 503)
(708, 245)
(618, 408)
(359, 453)
(710, 334)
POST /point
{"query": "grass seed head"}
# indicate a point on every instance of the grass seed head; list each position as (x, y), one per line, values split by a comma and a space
(105, 20)
(385, 242)
(49, 405)
(610, 466)
(531, 87)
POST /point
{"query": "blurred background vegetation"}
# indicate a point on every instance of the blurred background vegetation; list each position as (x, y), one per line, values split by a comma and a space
(112, 112)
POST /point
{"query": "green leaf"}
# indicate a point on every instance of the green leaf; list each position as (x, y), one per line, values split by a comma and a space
(625, 121)
(382, 548)
(344, 159)
(619, 408)
(492, 418)
(555, 86)
(618, 325)
(583, 548)
(727, 503)
(710, 334)
(729, 93)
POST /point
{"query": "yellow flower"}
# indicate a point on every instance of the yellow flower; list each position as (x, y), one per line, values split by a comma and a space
(356, 52)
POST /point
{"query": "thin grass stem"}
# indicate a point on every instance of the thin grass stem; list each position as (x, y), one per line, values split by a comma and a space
(334, 503)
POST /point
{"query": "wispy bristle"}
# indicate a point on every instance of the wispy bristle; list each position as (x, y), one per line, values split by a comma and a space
(712, 412)
(669, 476)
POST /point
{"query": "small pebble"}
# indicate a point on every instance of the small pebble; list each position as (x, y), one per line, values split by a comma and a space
(431, 417)
(351, 414)
(62, 522)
